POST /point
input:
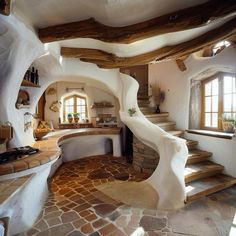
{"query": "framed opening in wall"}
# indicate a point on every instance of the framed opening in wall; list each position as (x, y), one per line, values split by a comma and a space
(74, 104)
(218, 99)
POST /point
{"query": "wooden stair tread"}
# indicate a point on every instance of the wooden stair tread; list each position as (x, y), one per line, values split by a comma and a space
(165, 114)
(175, 132)
(201, 170)
(206, 186)
(196, 155)
(191, 142)
(165, 123)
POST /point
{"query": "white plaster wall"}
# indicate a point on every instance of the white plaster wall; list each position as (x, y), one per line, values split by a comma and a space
(91, 93)
(90, 145)
(176, 84)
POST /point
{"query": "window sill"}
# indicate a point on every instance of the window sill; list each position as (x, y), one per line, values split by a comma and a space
(211, 133)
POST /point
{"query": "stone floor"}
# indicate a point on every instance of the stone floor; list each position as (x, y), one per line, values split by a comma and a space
(75, 207)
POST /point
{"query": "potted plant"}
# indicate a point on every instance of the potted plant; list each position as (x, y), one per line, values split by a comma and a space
(69, 117)
(228, 123)
(132, 111)
(76, 117)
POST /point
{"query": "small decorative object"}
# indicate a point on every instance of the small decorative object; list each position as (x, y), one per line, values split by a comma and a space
(76, 117)
(158, 95)
(51, 91)
(69, 117)
(132, 111)
(228, 123)
(55, 106)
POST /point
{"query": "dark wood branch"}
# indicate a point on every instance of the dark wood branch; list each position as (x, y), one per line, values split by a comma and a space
(188, 18)
(108, 60)
(5, 7)
(181, 65)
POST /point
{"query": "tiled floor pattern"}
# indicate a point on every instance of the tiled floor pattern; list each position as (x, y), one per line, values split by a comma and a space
(75, 207)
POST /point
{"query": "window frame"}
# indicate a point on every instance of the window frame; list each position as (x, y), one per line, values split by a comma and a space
(220, 77)
(74, 96)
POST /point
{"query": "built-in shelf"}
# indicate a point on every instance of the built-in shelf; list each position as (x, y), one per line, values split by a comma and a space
(102, 106)
(27, 83)
(22, 106)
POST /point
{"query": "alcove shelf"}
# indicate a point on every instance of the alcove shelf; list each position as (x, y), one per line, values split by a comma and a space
(27, 83)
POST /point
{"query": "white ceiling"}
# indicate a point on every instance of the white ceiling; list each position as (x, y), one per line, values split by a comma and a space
(42, 13)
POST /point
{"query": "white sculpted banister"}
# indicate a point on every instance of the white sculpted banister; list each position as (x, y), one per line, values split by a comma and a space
(168, 178)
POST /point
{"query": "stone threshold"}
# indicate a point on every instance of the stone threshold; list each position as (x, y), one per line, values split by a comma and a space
(210, 133)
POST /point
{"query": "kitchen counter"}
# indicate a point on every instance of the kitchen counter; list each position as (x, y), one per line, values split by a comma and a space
(49, 148)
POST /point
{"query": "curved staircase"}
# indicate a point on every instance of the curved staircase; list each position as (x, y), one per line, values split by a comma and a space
(202, 176)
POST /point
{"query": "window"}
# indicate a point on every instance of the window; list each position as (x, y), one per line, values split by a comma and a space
(75, 104)
(219, 97)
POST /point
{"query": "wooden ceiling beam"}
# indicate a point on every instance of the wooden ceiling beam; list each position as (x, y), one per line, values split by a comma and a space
(5, 7)
(180, 63)
(179, 51)
(185, 19)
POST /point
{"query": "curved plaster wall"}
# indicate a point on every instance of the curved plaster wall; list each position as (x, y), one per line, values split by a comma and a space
(176, 84)
(173, 152)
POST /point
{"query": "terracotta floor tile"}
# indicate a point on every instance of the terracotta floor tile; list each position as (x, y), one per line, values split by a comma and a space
(104, 231)
(76, 208)
(69, 217)
(87, 229)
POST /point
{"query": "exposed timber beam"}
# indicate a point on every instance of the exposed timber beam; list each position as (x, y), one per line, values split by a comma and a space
(108, 60)
(5, 7)
(181, 65)
(188, 18)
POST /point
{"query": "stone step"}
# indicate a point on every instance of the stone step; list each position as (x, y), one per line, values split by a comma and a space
(206, 186)
(191, 144)
(167, 126)
(196, 156)
(201, 170)
(177, 133)
(155, 118)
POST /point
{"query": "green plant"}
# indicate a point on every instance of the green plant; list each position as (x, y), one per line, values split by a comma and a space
(69, 115)
(76, 115)
(228, 118)
(132, 111)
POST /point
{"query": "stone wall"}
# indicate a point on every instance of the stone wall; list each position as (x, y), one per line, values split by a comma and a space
(145, 159)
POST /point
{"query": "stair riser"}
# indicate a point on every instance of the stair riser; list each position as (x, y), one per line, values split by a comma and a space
(157, 119)
(143, 103)
(202, 175)
(148, 112)
(198, 159)
(168, 127)
(192, 147)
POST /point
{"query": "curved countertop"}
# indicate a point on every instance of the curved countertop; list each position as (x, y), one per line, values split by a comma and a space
(49, 148)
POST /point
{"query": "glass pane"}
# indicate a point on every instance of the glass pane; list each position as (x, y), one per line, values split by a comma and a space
(215, 87)
(208, 119)
(228, 84)
(227, 102)
(215, 104)
(234, 85)
(234, 102)
(208, 89)
(214, 120)
(207, 104)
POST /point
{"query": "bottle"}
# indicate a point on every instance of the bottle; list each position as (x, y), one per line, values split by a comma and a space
(32, 75)
(36, 77)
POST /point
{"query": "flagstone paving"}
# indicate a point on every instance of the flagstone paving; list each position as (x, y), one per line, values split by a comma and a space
(76, 208)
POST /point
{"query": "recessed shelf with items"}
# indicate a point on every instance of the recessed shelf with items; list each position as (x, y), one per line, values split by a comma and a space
(31, 79)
